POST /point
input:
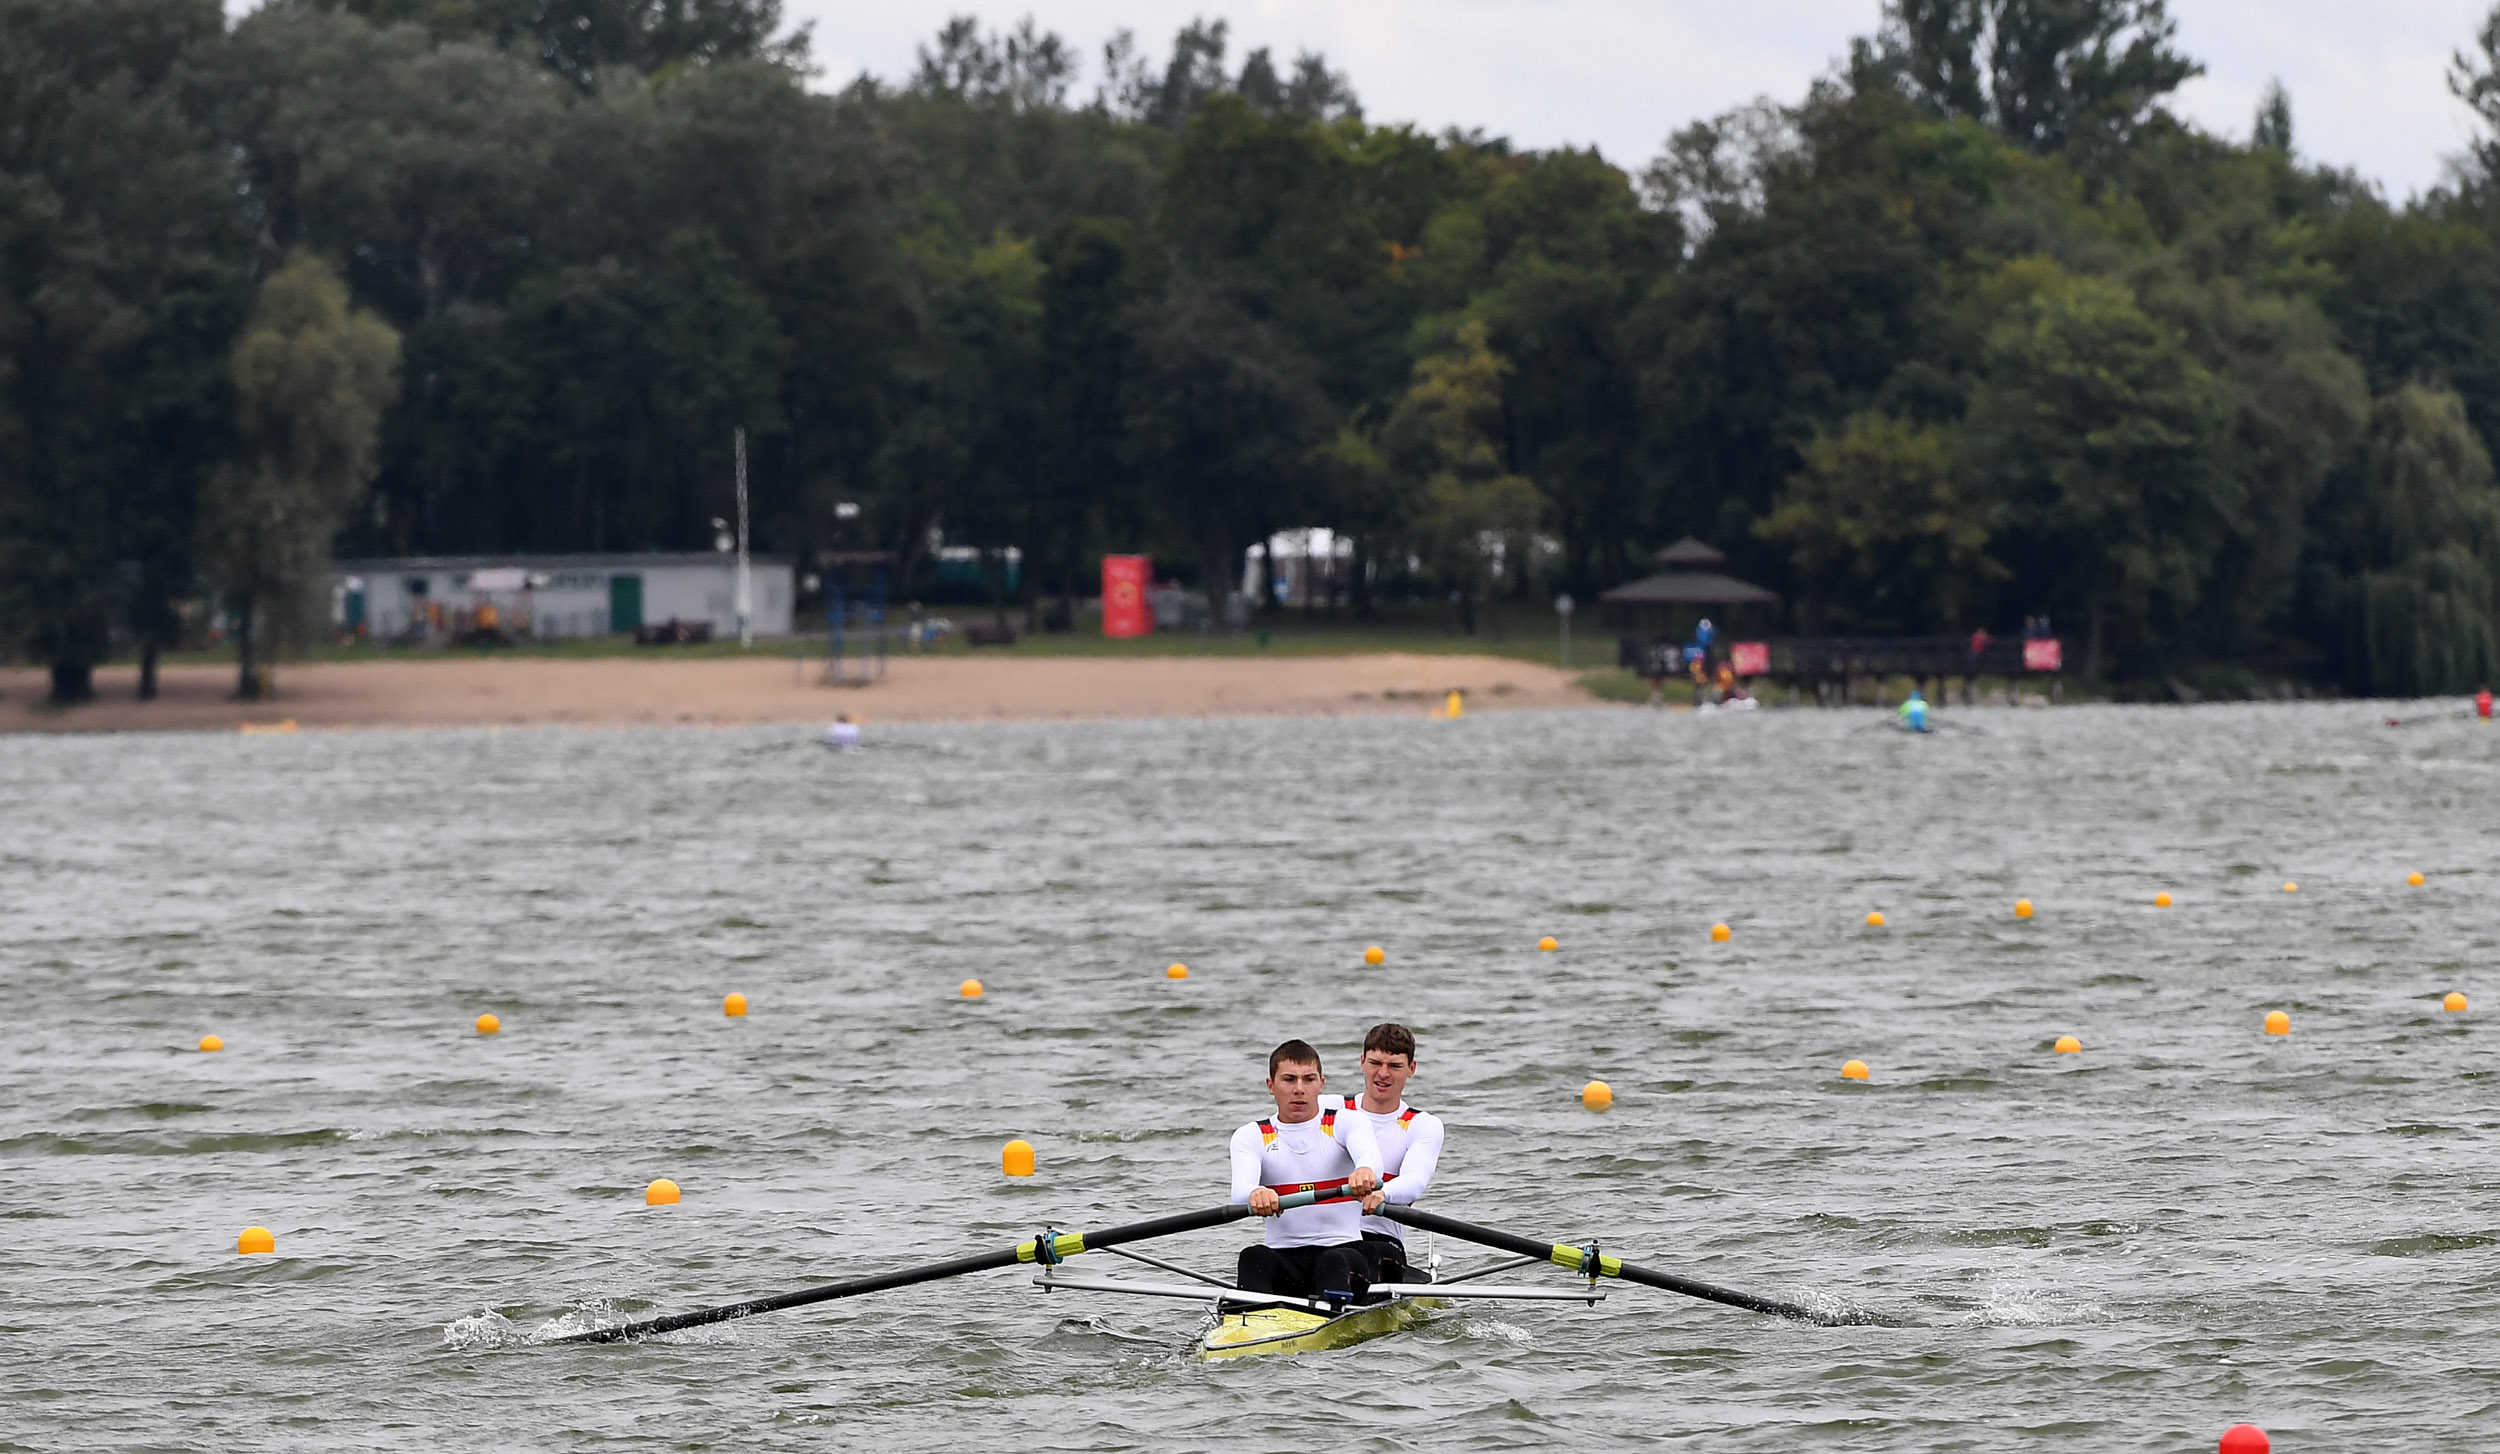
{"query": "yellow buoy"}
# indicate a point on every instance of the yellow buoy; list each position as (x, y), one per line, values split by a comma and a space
(1854, 1070)
(488, 1025)
(735, 1007)
(1375, 955)
(2455, 1002)
(2069, 1045)
(2414, 879)
(2278, 1023)
(2290, 887)
(1176, 971)
(1720, 933)
(970, 989)
(1548, 944)
(211, 1042)
(2022, 908)
(256, 1239)
(661, 1193)
(1597, 1095)
(1017, 1158)
(2161, 901)
(1875, 920)
(1456, 706)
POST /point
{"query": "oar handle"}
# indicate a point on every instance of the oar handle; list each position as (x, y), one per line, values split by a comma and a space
(1288, 1202)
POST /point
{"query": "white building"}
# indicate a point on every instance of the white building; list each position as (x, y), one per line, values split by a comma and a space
(553, 596)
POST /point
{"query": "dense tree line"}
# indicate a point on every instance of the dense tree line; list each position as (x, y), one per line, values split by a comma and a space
(1973, 330)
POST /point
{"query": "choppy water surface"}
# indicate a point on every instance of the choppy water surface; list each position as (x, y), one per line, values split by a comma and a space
(2187, 1225)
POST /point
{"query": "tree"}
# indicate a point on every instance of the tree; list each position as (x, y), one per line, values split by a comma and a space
(1883, 529)
(2414, 572)
(120, 274)
(311, 377)
(2102, 442)
(583, 40)
(2048, 74)
(1471, 511)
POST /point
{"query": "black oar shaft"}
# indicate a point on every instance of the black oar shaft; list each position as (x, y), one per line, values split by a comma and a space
(1067, 1244)
(1575, 1259)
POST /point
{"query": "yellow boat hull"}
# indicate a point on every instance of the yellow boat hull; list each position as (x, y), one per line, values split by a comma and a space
(1294, 1330)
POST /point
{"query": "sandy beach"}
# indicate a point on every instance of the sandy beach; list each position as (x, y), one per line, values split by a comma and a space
(468, 692)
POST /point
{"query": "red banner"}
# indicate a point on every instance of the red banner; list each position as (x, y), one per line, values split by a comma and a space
(2049, 655)
(1124, 609)
(1749, 658)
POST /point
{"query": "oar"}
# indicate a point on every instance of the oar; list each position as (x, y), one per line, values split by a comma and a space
(1575, 1259)
(1063, 1246)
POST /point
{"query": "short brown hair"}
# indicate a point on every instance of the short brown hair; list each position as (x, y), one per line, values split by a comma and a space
(1299, 1052)
(1390, 1038)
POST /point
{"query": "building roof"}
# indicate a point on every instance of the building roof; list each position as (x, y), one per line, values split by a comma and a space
(1687, 587)
(1688, 553)
(649, 560)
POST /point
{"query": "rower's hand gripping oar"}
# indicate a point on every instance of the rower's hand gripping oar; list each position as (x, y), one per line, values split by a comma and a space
(1580, 1260)
(1059, 1247)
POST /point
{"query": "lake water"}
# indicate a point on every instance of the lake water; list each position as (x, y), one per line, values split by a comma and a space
(2189, 1224)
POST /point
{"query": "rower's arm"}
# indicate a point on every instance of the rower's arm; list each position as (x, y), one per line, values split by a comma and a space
(1423, 1157)
(1245, 1153)
(1355, 1130)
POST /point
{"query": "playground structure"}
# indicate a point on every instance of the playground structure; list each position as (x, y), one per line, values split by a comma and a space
(856, 638)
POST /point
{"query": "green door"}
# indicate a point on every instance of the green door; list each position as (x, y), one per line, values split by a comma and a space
(624, 604)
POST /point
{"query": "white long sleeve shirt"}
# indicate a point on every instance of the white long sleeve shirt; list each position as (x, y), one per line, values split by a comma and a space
(1410, 1151)
(1320, 1152)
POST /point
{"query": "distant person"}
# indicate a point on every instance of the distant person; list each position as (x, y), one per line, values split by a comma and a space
(1978, 642)
(1914, 712)
(2482, 704)
(1727, 682)
(843, 735)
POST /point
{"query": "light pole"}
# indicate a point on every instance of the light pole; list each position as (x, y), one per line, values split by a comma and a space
(1562, 610)
(746, 579)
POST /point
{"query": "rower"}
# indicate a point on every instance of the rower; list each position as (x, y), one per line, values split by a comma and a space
(1914, 712)
(1409, 1140)
(843, 735)
(1313, 1251)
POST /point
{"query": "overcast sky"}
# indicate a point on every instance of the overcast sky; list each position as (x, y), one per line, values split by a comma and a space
(2367, 77)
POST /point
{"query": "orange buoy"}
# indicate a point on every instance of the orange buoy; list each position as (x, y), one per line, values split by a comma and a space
(1176, 971)
(2278, 1023)
(661, 1193)
(2161, 901)
(211, 1042)
(1720, 933)
(1548, 944)
(2414, 879)
(735, 1007)
(1597, 1095)
(1853, 1070)
(1016, 1158)
(970, 989)
(489, 1025)
(2069, 1045)
(255, 1239)
(1875, 920)
(2022, 908)
(1375, 955)
(2455, 1003)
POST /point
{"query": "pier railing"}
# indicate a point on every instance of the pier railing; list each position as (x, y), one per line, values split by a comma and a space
(1841, 658)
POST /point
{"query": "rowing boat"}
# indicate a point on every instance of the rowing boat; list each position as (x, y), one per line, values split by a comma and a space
(1299, 1330)
(1242, 1322)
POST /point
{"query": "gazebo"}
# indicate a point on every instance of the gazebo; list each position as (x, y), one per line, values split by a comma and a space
(1662, 609)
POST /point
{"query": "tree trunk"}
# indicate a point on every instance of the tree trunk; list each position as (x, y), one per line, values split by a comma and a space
(247, 680)
(147, 670)
(72, 681)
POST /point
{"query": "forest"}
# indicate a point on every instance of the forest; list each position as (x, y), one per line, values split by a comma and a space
(1974, 329)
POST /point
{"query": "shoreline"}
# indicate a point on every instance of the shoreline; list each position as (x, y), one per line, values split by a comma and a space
(727, 692)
